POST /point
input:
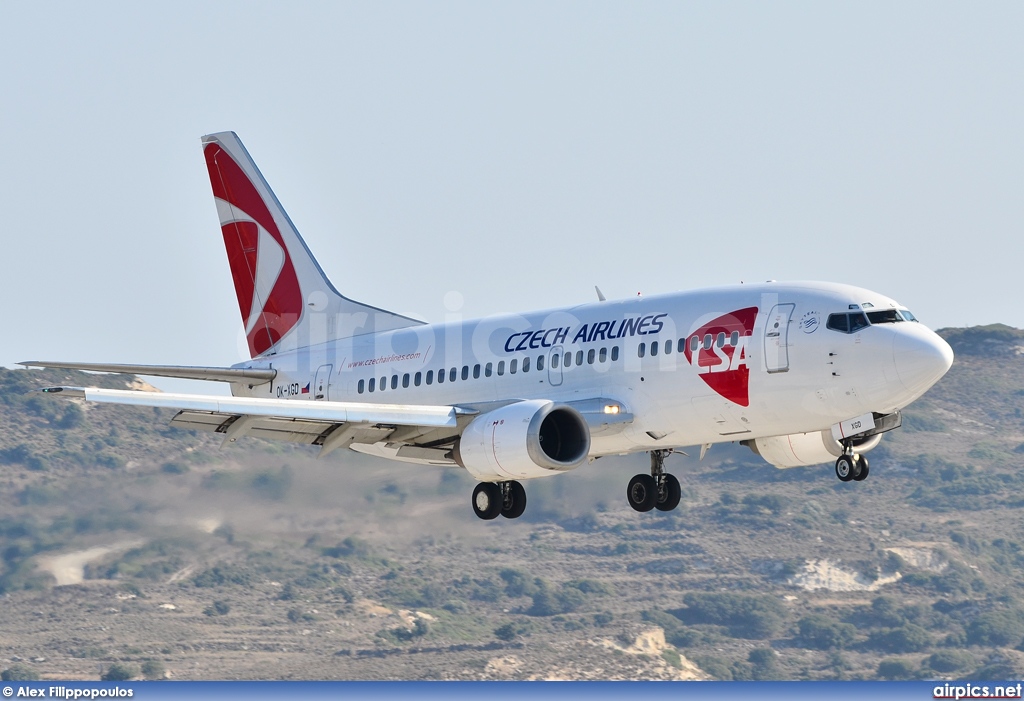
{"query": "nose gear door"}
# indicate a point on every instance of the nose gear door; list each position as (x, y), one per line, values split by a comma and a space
(776, 338)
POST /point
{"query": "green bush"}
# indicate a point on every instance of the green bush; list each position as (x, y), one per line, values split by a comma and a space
(746, 616)
(950, 661)
(822, 633)
(153, 669)
(994, 629)
(19, 673)
(908, 638)
(896, 669)
(217, 608)
(120, 672)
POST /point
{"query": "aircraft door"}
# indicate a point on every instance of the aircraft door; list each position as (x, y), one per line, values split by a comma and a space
(322, 382)
(776, 338)
(555, 366)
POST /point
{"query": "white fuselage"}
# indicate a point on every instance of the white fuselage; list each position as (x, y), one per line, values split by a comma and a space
(765, 363)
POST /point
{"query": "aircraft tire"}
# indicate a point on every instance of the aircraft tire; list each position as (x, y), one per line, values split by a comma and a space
(517, 501)
(642, 492)
(672, 494)
(845, 468)
(487, 500)
(863, 464)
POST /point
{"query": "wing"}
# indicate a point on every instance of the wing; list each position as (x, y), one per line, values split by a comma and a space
(330, 425)
(251, 376)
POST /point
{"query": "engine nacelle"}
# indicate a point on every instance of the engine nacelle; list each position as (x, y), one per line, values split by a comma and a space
(802, 449)
(535, 438)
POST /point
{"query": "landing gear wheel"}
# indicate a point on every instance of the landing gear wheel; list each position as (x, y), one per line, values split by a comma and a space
(514, 503)
(845, 468)
(642, 492)
(862, 462)
(487, 500)
(668, 494)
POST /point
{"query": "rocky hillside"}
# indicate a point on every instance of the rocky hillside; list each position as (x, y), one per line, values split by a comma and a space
(125, 542)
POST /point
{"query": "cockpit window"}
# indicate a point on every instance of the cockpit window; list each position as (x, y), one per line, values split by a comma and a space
(888, 316)
(839, 322)
(907, 315)
(847, 323)
(857, 322)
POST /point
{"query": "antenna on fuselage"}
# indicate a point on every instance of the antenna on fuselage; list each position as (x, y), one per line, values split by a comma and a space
(600, 294)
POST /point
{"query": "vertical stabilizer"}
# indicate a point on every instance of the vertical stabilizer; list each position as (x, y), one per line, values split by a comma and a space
(285, 299)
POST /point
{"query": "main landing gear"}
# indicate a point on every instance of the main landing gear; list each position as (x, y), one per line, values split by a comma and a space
(851, 466)
(658, 490)
(493, 498)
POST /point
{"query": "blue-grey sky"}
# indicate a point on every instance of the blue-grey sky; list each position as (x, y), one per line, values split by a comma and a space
(518, 153)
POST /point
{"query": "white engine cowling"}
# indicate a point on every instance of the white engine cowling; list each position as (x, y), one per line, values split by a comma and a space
(535, 438)
(802, 449)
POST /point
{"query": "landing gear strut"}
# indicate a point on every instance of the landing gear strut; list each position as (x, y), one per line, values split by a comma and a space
(493, 498)
(851, 466)
(659, 490)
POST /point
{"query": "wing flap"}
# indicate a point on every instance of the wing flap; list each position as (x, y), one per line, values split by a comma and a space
(314, 411)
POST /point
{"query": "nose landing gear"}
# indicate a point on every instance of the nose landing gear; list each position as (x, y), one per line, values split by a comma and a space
(851, 466)
(659, 490)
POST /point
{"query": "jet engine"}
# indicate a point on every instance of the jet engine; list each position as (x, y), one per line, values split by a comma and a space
(801, 449)
(534, 438)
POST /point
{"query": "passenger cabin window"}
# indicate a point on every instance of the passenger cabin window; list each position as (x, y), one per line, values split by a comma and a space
(452, 375)
(372, 383)
(694, 344)
(383, 383)
(430, 377)
(554, 361)
(512, 366)
(567, 360)
(526, 364)
(641, 350)
(707, 342)
(394, 382)
(465, 372)
(654, 348)
(476, 371)
(734, 338)
(579, 357)
(440, 376)
(361, 386)
(405, 380)
(501, 368)
(615, 353)
(540, 363)
(590, 356)
(419, 378)
(668, 347)
(602, 356)
(488, 369)
(720, 339)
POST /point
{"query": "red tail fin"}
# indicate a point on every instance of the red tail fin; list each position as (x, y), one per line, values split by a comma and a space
(277, 280)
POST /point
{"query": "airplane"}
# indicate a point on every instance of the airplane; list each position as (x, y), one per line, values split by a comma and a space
(802, 373)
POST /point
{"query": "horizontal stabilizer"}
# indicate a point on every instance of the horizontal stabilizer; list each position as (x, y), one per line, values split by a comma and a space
(325, 411)
(252, 376)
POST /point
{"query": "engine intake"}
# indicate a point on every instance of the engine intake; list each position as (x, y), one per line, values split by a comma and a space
(525, 440)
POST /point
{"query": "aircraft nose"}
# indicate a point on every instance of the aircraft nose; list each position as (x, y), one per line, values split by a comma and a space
(921, 356)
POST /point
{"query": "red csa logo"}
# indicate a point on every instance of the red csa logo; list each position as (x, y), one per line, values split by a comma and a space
(267, 287)
(718, 350)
